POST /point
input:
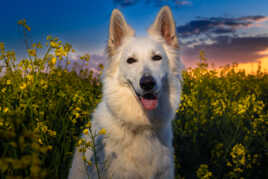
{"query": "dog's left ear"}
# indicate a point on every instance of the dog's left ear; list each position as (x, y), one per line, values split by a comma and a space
(164, 26)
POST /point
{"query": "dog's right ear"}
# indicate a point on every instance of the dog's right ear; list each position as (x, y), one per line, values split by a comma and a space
(119, 29)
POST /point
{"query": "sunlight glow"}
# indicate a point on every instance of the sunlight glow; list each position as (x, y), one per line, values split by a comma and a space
(252, 67)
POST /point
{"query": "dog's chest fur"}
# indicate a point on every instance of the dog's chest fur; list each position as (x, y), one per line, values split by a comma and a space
(136, 156)
(129, 153)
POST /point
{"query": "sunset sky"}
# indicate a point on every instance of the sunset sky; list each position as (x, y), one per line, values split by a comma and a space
(227, 30)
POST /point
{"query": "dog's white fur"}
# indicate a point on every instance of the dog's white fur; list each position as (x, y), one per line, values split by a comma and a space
(138, 142)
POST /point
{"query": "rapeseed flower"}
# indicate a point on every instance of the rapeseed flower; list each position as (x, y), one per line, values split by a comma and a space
(54, 44)
(6, 109)
(85, 131)
(8, 82)
(32, 52)
(53, 60)
(2, 46)
(102, 131)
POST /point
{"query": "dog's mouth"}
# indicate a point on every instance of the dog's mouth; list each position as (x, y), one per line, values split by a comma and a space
(148, 100)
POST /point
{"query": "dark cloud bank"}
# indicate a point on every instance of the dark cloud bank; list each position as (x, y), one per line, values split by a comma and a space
(226, 50)
(217, 25)
(222, 40)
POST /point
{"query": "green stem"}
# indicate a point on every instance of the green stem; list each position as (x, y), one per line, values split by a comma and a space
(95, 152)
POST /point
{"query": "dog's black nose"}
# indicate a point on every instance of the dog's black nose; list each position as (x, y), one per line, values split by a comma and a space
(147, 82)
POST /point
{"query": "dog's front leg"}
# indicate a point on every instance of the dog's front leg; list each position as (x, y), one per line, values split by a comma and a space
(78, 169)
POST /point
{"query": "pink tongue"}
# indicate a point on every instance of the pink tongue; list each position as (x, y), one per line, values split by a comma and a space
(149, 104)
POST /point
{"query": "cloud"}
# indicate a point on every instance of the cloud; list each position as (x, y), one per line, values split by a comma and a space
(217, 25)
(171, 3)
(125, 3)
(227, 49)
(177, 2)
(224, 40)
(257, 18)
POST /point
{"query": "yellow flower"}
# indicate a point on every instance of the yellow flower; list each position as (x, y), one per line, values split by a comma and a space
(101, 66)
(243, 160)
(88, 125)
(52, 133)
(53, 60)
(50, 147)
(49, 37)
(85, 131)
(44, 128)
(82, 150)
(22, 22)
(4, 90)
(29, 77)
(86, 57)
(74, 121)
(203, 172)
(77, 115)
(239, 170)
(2, 46)
(238, 150)
(5, 110)
(88, 144)
(8, 82)
(67, 47)
(60, 52)
(89, 163)
(42, 82)
(80, 141)
(23, 86)
(32, 52)
(40, 141)
(84, 158)
(102, 131)
(77, 109)
(54, 44)
(27, 27)
(39, 45)
(229, 164)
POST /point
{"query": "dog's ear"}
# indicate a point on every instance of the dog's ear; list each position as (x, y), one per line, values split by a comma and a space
(164, 26)
(119, 29)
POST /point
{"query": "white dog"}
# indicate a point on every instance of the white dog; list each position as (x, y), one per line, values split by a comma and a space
(141, 92)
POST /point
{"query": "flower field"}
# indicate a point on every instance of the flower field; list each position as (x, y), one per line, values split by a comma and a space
(221, 127)
(220, 130)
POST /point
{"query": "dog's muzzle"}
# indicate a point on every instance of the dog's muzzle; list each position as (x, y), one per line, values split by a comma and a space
(149, 98)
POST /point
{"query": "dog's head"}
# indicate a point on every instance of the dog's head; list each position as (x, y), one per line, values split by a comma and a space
(143, 64)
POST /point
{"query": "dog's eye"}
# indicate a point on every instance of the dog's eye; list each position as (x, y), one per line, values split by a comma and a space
(156, 57)
(131, 60)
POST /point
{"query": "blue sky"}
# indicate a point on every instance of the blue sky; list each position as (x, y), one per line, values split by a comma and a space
(227, 30)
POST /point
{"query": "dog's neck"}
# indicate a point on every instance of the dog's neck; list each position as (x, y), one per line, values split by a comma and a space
(152, 126)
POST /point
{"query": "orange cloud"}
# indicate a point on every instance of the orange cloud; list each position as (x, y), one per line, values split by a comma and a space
(263, 52)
